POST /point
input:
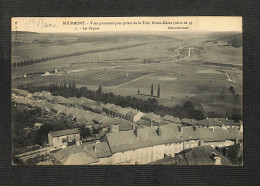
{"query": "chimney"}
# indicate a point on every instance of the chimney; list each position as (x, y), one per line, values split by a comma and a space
(213, 154)
(217, 161)
(225, 151)
(181, 129)
(194, 128)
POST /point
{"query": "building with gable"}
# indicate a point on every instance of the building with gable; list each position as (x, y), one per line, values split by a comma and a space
(63, 138)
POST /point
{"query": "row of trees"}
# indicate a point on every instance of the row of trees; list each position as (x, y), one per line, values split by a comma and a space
(63, 86)
(158, 90)
(44, 59)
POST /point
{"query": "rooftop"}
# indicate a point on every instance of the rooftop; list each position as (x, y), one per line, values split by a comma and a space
(171, 118)
(152, 117)
(81, 158)
(98, 150)
(186, 121)
(64, 132)
(202, 156)
(74, 155)
(171, 133)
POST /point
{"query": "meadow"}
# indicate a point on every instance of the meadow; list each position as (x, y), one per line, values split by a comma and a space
(200, 78)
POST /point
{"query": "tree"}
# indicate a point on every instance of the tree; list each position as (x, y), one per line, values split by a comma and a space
(99, 91)
(74, 85)
(158, 91)
(152, 90)
(231, 88)
(236, 117)
(84, 132)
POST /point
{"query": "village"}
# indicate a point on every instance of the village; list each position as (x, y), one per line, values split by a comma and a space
(125, 135)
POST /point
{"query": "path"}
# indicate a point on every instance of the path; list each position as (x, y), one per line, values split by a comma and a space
(128, 81)
(229, 79)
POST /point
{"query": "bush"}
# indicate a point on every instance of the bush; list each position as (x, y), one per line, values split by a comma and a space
(236, 117)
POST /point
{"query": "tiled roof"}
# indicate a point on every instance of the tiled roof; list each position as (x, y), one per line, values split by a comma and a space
(58, 108)
(189, 121)
(151, 116)
(74, 155)
(21, 92)
(127, 140)
(165, 161)
(148, 136)
(102, 149)
(217, 122)
(131, 112)
(44, 94)
(62, 100)
(125, 125)
(110, 120)
(81, 158)
(124, 140)
(108, 106)
(171, 118)
(116, 109)
(202, 156)
(22, 100)
(143, 122)
(64, 132)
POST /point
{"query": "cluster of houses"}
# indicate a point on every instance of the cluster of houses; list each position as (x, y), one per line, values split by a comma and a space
(130, 136)
(83, 110)
(89, 112)
(149, 144)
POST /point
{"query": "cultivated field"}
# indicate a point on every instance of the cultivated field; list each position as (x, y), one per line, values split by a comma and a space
(202, 77)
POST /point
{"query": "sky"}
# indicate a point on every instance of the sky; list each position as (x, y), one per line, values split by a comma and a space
(126, 24)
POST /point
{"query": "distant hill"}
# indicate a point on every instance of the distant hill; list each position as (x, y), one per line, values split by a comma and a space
(121, 37)
(23, 32)
(233, 38)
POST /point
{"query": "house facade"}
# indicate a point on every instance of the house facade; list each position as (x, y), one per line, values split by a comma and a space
(133, 115)
(148, 144)
(64, 138)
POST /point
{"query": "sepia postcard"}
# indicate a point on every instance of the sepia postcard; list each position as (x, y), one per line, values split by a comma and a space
(127, 91)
